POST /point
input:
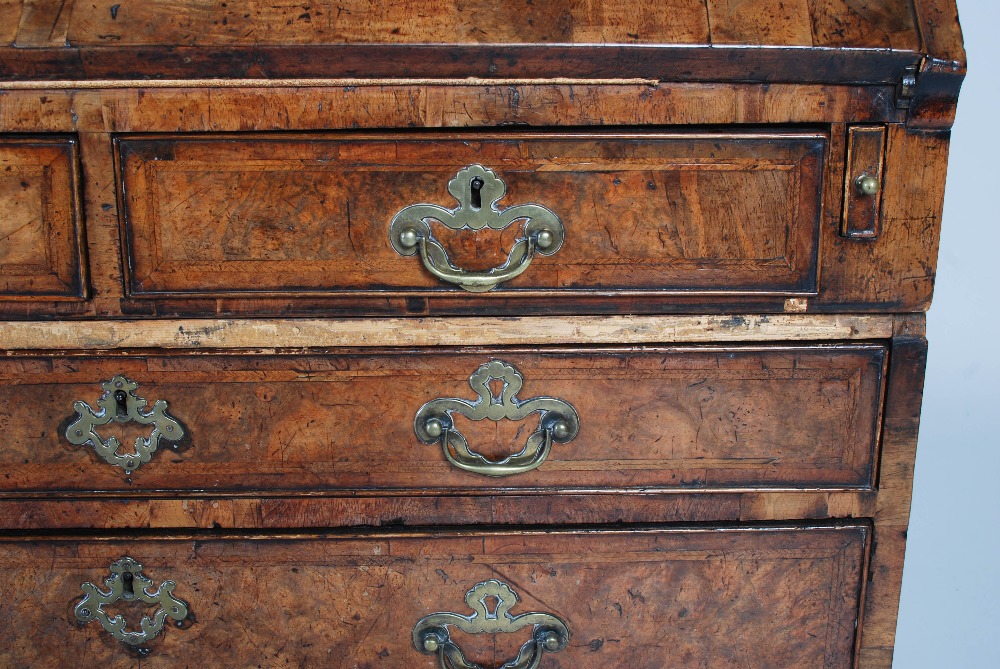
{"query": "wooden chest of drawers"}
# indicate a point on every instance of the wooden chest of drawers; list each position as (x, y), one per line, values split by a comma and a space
(489, 334)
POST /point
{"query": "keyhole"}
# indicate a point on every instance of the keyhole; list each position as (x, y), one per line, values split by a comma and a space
(477, 197)
(121, 405)
(496, 387)
(127, 587)
(492, 605)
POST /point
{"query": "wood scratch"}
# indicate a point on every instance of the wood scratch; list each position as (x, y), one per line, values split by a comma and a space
(18, 229)
(55, 21)
(350, 237)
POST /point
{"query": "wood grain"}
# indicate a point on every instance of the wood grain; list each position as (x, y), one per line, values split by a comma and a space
(899, 442)
(899, 269)
(356, 104)
(865, 158)
(223, 216)
(162, 23)
(44, 23)
(773, 597)
(103, 240)
(893, 273)
(419, 62)
(844, 23)
(10, 20)
(678, 40)
(760, 22)
(940, 30)
(94, 114)
(942, 72)
(265, 334)
(41, 233)
(742, 496)
(765, 41)
(257, 22)
(263, 511)
(657, 418)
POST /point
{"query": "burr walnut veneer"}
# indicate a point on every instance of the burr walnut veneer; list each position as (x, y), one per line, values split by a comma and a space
(464, 335)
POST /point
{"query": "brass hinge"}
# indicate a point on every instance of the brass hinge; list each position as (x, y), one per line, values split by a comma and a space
(906, 87)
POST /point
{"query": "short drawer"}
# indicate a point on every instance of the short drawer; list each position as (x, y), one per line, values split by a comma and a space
(681, 417)
(681, 597)
(41, 250)
(729, 213)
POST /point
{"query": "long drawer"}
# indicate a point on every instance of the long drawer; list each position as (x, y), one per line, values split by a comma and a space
(510, 214)
(437, 419)
(646, 599)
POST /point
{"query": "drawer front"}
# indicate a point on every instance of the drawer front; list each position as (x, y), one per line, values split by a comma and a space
(657, 417)
(685, 598)
(40, 229)
(733, 213)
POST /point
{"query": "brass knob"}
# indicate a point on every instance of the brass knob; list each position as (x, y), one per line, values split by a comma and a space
(544, 239)
(431, 643)
(408, 238)
(434, 427)
(867, 185)
(560, 430)
(550, 640)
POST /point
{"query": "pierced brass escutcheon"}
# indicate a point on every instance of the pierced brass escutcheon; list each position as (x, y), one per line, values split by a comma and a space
(477, 189)
(558, 422)
(120, 404)
(431, 634)
(128, 584)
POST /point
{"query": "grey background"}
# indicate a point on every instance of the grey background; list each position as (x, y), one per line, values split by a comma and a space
(949, 614)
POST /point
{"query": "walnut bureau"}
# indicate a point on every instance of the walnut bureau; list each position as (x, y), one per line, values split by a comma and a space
(473, 334)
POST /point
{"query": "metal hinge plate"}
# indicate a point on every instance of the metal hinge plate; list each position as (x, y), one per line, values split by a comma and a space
(906, 87)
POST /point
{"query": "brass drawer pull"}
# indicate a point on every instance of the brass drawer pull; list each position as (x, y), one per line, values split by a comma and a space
(120, 404)
(477, 190)
(431, 635)
(867, 185)
(558, 422)
(128, 584)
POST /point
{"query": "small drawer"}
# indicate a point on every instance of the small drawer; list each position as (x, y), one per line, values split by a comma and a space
(682, 417)
(645, 599)
(41, 247)
(495, 215)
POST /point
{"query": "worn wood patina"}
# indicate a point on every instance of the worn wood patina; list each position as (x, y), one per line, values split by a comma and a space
(743, 201)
